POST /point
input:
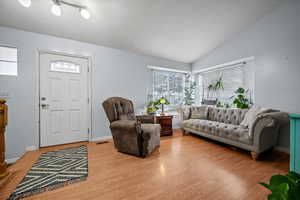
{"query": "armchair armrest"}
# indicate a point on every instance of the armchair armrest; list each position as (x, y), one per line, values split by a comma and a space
(127, 136)
(127, 126)
(146, 119)
(184, 113)
(265, 128)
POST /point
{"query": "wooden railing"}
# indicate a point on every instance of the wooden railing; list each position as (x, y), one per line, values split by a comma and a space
(4, 174)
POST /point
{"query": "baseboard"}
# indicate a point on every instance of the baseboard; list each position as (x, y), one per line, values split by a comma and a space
(282, 149)
(101, 138)
(31, 148)
(12, 160)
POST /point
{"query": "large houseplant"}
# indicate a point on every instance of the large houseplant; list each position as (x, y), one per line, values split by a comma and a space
(189, 94)
(240, 99)
(284, 187)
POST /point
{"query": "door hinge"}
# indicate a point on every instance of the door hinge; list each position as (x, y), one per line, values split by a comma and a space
(88, 69)
(88, 131)
(88, 100)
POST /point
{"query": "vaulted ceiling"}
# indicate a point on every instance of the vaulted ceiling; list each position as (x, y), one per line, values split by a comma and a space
(181, 30)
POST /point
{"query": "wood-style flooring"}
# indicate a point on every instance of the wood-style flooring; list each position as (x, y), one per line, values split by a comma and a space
(184, 168)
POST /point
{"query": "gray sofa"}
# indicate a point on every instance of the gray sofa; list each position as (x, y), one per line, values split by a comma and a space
(224, 126)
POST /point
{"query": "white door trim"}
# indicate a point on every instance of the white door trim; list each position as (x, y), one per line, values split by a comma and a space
(37, 91)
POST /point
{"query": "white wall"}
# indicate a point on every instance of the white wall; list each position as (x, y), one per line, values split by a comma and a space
(115, 73)
(275, 42)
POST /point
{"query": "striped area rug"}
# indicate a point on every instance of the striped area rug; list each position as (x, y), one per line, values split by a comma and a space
(52, 170)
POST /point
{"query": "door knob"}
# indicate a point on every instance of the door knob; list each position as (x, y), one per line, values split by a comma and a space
(45, 106)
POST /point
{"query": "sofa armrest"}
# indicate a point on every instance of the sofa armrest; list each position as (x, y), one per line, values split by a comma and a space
(265, 128)
(184, 113)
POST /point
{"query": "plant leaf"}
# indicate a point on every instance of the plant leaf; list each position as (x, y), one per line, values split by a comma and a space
(281, 192)
(265, 185)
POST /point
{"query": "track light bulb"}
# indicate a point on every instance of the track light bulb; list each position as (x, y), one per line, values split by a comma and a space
(56, 10)
(85, 13)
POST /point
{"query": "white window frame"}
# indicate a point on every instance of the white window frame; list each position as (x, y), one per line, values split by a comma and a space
(8, 61)
(171, 70)
(224, 66)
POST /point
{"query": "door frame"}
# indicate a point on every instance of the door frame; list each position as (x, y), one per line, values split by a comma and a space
(38, 85)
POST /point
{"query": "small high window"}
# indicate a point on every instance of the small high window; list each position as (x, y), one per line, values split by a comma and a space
(64, 66)
(8, 61)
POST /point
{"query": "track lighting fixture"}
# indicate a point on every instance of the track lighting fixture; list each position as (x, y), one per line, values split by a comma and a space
(57, 7)
(25, 3)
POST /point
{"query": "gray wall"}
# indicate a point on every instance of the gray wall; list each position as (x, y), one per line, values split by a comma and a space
(275, 42)
(114, 73)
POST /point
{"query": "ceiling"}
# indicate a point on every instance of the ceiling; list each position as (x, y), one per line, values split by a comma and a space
(181, 30)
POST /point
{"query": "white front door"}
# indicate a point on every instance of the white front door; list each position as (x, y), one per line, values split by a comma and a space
(63, 99)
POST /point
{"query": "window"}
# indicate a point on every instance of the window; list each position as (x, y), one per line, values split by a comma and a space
(232, 78)
(8, 61)
(170, 85)
(63, 66)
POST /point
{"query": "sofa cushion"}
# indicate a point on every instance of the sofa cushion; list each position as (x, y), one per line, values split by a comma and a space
(228, 116)
(199, 112)
(228, 131)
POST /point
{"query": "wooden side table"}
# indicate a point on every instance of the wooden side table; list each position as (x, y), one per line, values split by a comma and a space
(4, 173)
(165, 122)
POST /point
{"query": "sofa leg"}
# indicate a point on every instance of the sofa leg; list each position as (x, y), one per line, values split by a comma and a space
(184, 132)
(254, 155)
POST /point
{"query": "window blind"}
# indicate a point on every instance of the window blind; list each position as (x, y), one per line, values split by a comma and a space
(169, 85)
(233, 78)
(8, 61)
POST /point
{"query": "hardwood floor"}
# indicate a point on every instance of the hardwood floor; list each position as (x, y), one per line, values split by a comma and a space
(185, 167)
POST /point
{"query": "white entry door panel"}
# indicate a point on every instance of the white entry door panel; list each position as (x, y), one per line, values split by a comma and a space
(63, 99)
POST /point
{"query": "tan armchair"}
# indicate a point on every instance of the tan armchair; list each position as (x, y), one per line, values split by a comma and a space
(130, 135)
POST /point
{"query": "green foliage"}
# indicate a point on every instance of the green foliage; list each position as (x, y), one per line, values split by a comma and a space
(284, 187)
(222, 105)
(189, 93)
(215, 87)
(152, 107)
(219, 85)
(240, 99)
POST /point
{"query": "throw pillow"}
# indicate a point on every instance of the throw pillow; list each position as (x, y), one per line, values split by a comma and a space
(250, 116)
(199, 112)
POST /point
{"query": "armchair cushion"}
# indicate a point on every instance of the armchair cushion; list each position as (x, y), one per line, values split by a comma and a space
(126, 125)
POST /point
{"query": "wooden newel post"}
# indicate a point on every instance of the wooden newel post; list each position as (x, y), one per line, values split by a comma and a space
(4, 174)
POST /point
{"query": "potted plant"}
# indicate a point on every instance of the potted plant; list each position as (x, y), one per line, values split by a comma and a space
(189, 94)
(162, 101)
(284, 187)
(240, 99)
(152, 107)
